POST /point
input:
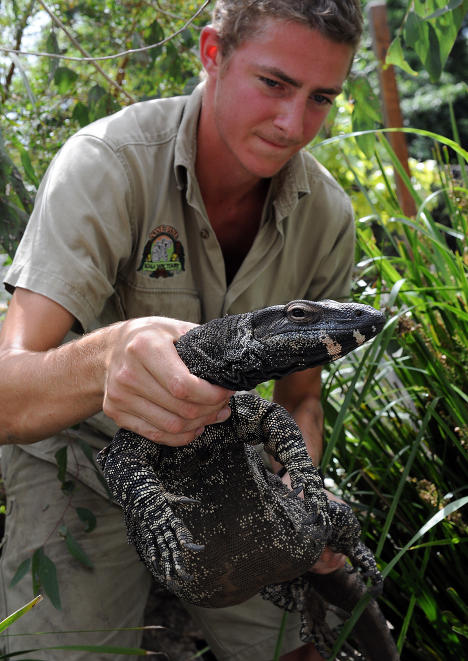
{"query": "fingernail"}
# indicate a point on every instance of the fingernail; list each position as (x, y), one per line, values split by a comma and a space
(199, 431)
(223, 414)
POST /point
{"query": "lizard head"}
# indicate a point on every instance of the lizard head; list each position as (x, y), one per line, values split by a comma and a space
(239, 351)
(303, 334)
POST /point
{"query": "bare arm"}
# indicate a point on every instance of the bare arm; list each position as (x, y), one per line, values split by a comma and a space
(131, 370)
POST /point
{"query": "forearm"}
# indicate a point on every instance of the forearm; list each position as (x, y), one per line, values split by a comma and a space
(130, 370)
(43, 392)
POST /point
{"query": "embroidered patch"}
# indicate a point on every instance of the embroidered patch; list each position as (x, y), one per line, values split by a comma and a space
(163, 255)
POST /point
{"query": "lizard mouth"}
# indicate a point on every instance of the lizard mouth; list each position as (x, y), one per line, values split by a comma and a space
(317, 319)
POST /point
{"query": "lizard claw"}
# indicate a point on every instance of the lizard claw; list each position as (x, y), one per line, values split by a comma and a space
(185, 500)
(191, 546)
(296, 491)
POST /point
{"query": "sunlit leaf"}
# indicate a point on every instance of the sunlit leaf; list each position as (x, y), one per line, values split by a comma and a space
(396, 57)
(453, 4)
(4, 624)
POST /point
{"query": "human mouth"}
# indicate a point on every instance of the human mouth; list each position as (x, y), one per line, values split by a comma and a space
(277, 143)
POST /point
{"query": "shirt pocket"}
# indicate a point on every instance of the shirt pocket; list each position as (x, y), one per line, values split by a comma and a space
(143, 301)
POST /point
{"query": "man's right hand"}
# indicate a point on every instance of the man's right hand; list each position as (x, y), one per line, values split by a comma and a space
(130, 369)
(148, 388)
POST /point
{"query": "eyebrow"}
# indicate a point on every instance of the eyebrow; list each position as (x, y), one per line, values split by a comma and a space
(273, 71)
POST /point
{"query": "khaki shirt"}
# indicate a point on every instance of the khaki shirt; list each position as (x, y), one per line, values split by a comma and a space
(119, 230)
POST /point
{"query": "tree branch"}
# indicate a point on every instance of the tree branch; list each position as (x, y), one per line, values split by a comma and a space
(88, 58)
(77, 45)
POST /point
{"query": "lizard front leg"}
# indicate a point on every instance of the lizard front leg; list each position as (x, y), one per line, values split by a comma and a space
(152, 526)
(260, 421)
(345, 537)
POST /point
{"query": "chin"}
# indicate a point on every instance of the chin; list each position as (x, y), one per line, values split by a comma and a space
(263, 168)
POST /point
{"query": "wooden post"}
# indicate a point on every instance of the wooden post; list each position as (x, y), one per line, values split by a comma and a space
(390, 99)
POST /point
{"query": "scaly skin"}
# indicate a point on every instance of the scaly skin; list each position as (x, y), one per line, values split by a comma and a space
(208, 520)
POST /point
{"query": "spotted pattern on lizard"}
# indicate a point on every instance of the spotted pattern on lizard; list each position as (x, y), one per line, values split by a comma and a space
(208, 519)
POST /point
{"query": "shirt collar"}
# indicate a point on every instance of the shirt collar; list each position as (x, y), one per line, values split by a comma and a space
(289, 185)
(186, 140)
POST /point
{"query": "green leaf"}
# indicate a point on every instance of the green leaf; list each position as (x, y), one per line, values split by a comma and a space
(453, 4)
(366, 141)
(87, 451)
(432, 61)
(87, 517)
(75, 549)
(45, 577)
(366, 102)
(65, 79)
(412, 29)
(95, 94)
(396, 57)
(36, 583)
(52, 47)
(153, 35)
(434, 520)
(462, 629)
(61, 459)
(81, 114)
(4, 624)
(103, 649)
(28, 168)
(21, 572)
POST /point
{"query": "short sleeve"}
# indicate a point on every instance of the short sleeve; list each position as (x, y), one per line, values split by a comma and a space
(80, 230)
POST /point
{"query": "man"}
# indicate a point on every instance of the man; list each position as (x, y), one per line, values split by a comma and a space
(184, 208)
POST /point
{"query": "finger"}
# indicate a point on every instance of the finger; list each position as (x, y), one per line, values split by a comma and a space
(154, 422)
(148, 431)
(153, 349)
(328, 562)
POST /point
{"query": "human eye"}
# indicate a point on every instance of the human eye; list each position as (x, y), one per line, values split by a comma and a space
(321, 100)
(270, 83)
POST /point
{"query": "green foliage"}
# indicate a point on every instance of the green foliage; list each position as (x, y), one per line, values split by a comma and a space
(429, 28)
(8, 621)
(397, 415)
(396, 411)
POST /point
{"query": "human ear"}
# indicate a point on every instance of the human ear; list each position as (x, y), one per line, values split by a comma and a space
(209, 50)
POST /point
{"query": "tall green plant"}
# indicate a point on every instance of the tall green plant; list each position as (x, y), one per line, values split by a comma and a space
(397, 413)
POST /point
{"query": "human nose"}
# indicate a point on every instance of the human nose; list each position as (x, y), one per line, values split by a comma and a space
(290, 119)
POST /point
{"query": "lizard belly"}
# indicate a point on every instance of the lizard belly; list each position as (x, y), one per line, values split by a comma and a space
(253, 534)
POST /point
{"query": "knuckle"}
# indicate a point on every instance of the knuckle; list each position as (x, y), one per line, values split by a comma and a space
(178, 388)
(174, 426)
(189, 411)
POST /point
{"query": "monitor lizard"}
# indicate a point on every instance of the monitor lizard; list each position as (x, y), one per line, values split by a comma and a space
(208, 519)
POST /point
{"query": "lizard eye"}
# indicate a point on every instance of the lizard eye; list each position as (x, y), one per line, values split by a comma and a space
(296, 314)
(300, 312)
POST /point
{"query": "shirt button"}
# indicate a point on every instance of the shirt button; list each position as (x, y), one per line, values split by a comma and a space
(204, 234)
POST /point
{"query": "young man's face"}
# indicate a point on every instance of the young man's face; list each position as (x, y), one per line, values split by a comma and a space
(274, 92)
